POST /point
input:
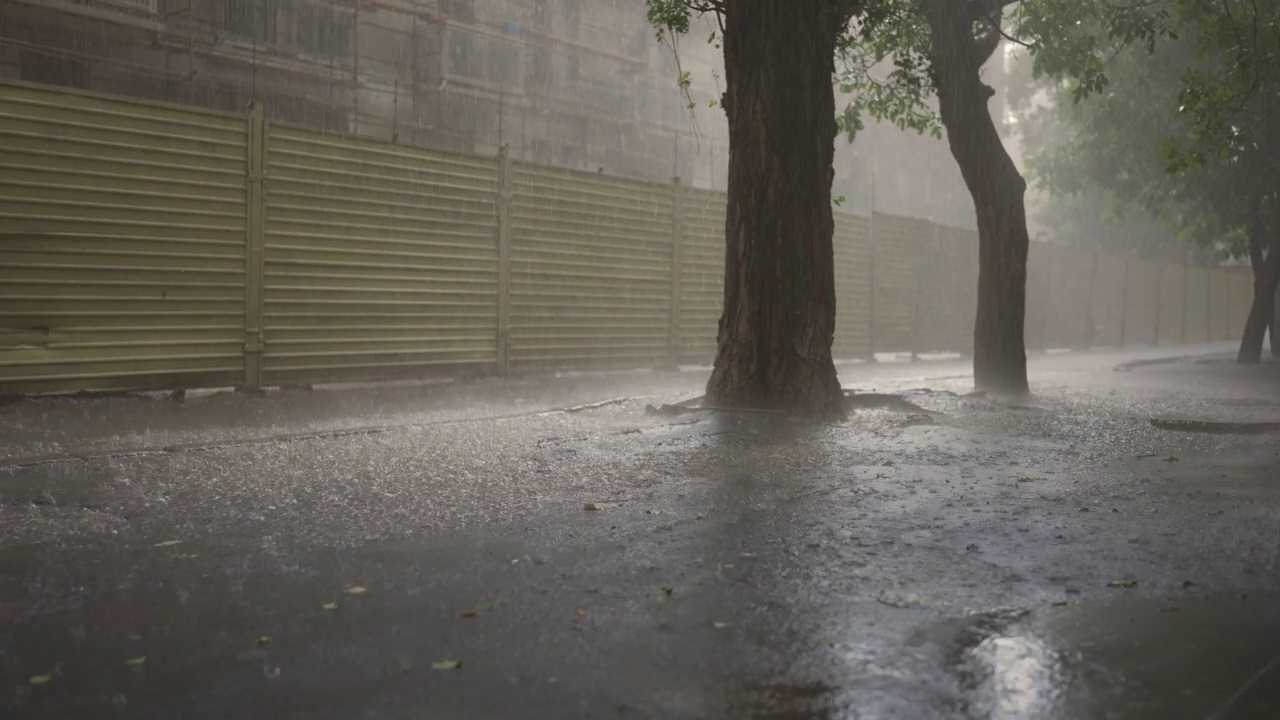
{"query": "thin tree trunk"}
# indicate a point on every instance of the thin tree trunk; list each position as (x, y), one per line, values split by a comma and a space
(774, 347)
(1275, 324)
(1266, 276)
(999, 350)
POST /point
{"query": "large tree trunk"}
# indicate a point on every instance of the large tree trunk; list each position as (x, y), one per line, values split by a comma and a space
(999, 350)
(1266, 278)
(779, 288)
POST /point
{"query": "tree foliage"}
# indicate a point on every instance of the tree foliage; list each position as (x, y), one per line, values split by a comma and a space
(1185, 129)
(1065, 38)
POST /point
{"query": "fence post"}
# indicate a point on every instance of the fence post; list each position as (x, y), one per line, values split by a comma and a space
(255, 226)
(1124, 304)
(1186, 297)
(1046, 298)
(1208, 305)
(677, 260)
(1089, 323)
(1159, 298)
(1226, 303)
(504, 259)
(932, 251)
(871, 284)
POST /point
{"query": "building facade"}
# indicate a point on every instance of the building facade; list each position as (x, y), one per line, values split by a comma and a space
(571, 83)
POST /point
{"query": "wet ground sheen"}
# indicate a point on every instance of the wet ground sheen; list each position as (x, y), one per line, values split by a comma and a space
(478, 552)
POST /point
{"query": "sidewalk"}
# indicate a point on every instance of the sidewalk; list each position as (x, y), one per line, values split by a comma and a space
(943, 553)
(55, 428)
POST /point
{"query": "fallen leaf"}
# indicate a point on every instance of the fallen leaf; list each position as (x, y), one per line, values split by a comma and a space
(330, 606)
(167, 543)
(719, 625)
(40, 679)
(468, 614)
(653, 511)
(357, 590)
(601, 506)
(1123, 583)
(446, 665)
(135, 662)
(264, 640)
(580, 612)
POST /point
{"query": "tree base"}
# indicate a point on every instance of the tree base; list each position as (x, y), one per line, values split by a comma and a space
(805, 388)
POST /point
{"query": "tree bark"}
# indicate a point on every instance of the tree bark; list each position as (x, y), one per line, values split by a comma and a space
(1266, 278)
(774, 348)
(1275, 324)
(999, 350)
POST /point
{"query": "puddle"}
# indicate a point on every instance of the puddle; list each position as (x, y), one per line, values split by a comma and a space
(1131, 658)
(1218, 428)
(881, 401)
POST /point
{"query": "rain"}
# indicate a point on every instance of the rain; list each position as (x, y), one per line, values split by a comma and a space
(665, 359)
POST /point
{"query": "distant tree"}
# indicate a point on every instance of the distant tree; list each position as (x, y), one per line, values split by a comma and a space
(1190, 135)
(1093, 216)
(938, 48)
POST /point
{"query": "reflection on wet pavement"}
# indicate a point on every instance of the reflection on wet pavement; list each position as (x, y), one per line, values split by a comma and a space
(1022, 678)
(1133, 658)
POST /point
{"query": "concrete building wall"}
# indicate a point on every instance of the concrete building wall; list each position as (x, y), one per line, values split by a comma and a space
(572, 83)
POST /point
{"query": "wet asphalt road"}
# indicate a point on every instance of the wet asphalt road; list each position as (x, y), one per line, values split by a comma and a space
(333, 554)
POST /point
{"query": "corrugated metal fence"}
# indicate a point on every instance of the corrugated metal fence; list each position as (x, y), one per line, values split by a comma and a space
(149, 246)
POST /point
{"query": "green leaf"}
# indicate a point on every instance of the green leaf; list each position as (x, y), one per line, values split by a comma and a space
(447, 665)
(40, 679)
(137, 661)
